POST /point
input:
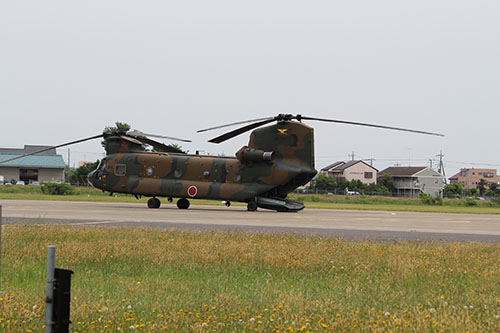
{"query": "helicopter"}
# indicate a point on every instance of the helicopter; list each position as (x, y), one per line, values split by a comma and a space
(278, 159)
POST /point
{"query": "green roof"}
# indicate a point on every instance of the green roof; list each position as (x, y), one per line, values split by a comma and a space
(33, 161)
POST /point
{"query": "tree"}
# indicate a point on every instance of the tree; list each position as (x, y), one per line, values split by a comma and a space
(119, 127)
(495, 188)
(387, 182)
(481, 186)
(325, 183)
(453, 189)
(80, 174)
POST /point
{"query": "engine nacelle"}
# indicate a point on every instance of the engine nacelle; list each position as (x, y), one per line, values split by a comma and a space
(246, 154)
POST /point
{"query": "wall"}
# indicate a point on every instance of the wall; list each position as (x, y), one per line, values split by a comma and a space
(431, 182)
(469, 178)
(358, 170)
(10, 173)
(50, 175)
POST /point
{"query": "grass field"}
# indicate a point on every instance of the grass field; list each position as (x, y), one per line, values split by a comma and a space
(132, 279)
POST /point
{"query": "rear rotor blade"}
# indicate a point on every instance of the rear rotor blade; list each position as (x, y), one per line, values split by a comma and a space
(53, 147)
(240, 130)
(370, 125)
(236, 123)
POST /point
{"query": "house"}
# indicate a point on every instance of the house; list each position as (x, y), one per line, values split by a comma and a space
(470, 178)
(411, 181)
(44, 167)
(352, 170)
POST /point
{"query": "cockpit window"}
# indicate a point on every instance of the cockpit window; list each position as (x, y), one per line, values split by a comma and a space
(102, 164)
(120, 169)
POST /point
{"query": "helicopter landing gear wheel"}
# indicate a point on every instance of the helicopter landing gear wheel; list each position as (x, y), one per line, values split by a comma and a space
(183, 203)
(154, 203)
(252, 206)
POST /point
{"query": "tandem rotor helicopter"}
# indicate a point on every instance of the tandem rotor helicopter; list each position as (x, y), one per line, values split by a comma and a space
(278, 159)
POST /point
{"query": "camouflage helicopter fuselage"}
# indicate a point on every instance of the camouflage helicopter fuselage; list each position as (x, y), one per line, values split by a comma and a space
(278, 159)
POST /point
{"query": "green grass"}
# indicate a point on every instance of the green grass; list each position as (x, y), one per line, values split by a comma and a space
(150, 280)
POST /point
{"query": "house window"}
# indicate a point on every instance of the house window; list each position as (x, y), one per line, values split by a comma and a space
(120, 169)
(368, 175)
(436, 181)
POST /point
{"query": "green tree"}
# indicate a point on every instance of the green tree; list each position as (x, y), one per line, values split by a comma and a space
(481, 186)
(453, 189)
(121, 128)
(387, 182)
(79, 175)
(325, 183)
(472, 192)
(495, 188)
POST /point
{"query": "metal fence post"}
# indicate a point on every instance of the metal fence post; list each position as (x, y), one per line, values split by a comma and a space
(51, 263)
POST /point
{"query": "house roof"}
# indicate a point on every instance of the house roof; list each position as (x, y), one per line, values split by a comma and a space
(401, 171)
(350, 164)
(340, 166)
(33, 161)
(328, 167)
(28, 149)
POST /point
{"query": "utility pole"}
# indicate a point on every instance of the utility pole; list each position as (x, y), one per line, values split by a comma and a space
(441, 164)
(430, 163)
(371, 161)
(351, 155)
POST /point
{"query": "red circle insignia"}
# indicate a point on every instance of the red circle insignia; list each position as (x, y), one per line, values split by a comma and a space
(192, 191)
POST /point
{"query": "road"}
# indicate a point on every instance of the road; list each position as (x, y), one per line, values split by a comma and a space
(337, 223)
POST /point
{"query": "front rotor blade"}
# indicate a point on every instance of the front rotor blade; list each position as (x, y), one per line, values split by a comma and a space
(236, 123)
(53, 147)
(239, 131)
(371, 125)
(139, 133)
(155, 144)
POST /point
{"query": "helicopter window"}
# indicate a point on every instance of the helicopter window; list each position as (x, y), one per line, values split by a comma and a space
(100, 168)
(237, 177)
(149, 171)
(120, 169)
(178, 173)
(102, 164)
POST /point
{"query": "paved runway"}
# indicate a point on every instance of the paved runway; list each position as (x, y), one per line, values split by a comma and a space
(336, 223)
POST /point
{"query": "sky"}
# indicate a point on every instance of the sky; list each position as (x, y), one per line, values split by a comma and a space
(70, 68)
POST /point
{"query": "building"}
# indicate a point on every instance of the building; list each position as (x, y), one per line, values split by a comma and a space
(44, 167)
(470, 178)
(411, 181)
(352, 170)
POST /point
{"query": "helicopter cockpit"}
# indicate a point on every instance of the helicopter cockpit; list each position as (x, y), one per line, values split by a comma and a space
(95, 176)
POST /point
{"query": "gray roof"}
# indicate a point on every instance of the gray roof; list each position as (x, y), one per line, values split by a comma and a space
(28, 149)
(339, 166)
(401, 171)
(33, 161)
(328, 167)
